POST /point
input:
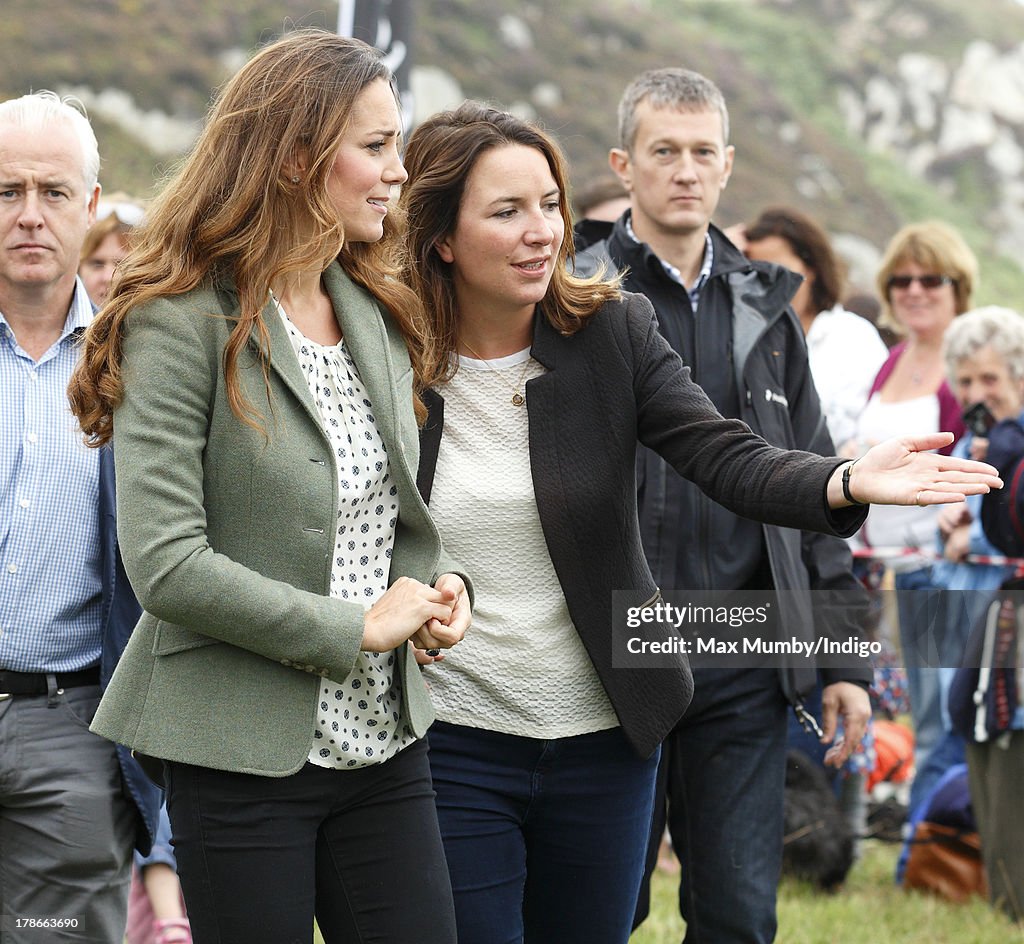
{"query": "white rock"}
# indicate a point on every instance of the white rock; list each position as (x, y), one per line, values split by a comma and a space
(789, 131)
(852, 109)
(433, 90)
(523, 110)
(1006, 156)
(159, 132)
(925, 80)
(963, 129)
(547, 95)
(861, 256)
(515, 33)
(990, 81)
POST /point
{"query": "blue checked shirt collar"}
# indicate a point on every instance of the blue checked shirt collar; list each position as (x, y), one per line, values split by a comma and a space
(673, 273)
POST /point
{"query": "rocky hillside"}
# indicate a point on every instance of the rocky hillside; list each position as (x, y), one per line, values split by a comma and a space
(867, 113)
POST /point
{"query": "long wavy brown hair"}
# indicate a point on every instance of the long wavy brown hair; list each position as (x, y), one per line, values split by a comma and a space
(234, 212)
(439, 158)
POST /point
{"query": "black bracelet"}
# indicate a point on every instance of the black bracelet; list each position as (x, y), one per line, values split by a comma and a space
(847, 494)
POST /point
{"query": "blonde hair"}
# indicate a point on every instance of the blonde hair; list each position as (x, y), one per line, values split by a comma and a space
(937, 247)
(239, 208)
(110, 225)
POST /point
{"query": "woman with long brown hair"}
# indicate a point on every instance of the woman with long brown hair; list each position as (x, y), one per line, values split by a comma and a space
(251, 369)
(545, 751)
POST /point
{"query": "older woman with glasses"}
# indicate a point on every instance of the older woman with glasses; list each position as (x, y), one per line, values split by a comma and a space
(926, 279)
(985, 354)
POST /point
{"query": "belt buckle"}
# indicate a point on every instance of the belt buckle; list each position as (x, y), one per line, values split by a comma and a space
(5, 695)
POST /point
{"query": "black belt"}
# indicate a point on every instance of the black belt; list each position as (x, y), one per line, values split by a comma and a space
(34, 683)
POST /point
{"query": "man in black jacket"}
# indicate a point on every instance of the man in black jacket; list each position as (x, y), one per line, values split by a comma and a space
(730, 320)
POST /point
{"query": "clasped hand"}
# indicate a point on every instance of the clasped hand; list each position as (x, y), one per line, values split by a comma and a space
(429, 617)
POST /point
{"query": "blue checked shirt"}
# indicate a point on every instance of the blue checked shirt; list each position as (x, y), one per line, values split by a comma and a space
(50, 568)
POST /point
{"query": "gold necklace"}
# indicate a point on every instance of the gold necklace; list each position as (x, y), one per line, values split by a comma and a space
(518, 398)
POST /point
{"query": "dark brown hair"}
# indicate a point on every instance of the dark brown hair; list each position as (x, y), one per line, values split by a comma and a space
(810, 244)
(440, 156)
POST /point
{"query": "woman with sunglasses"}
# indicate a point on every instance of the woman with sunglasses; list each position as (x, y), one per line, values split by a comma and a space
(926, 279)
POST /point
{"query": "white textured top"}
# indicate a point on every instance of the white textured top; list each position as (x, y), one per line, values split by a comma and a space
(357, 718)
(522, 668)
(900, 525)
(845, 353)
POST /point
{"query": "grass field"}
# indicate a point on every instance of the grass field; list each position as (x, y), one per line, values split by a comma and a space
(869, 909)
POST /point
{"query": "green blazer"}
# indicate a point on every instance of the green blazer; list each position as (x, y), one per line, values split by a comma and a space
(227, 534)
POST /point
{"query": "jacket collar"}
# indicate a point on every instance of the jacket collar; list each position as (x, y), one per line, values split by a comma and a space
(365, 337)
(546, 343)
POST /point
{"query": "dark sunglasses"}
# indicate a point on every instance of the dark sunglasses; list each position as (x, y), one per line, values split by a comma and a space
(927, 281)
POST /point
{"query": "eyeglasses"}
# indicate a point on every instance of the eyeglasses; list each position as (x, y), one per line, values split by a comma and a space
(926, 281)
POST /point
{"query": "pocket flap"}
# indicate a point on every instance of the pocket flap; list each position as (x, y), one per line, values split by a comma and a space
(170, 638)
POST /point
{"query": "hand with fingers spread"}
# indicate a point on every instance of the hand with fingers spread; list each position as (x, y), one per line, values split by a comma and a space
(906, 472)
(402, 612)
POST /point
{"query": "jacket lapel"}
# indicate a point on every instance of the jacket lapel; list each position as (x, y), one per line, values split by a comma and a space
(366, 338)
(283, 361)
(363, 331)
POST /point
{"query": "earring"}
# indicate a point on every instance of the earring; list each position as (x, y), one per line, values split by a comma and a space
(296, 179)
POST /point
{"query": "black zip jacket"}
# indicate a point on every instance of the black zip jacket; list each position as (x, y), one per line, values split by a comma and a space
(745, 346)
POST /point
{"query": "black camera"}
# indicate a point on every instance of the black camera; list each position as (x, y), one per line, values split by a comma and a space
(978, 419)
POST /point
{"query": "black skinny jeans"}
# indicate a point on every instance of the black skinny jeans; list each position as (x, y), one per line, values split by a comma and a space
(360, 849)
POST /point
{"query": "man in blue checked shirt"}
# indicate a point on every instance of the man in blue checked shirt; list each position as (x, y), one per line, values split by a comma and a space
(72, 805)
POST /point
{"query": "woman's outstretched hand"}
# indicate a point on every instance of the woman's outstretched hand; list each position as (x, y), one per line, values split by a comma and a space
(905, 472)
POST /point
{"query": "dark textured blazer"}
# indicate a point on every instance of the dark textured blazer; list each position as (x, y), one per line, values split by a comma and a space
(614, 382)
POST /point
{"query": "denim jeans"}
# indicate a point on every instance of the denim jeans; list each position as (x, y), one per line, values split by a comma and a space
(721, 784)
(258, 856)
(545, 839)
